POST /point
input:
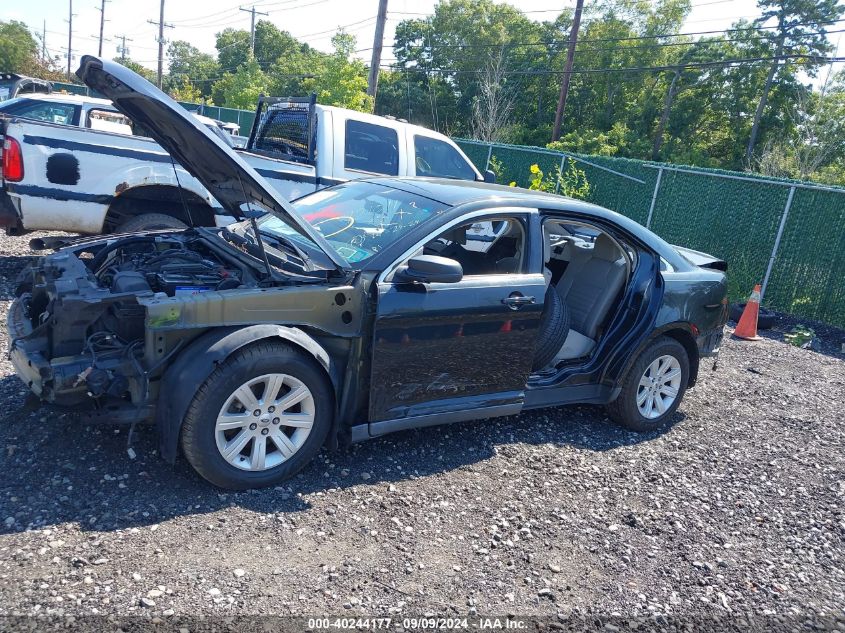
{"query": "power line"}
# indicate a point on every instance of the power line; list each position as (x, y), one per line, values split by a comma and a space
(637, 37)
(161, 24)
(122, 48)
(378, 42)
(570, 60)
(252, 13)
(102, 10)
(726, 62)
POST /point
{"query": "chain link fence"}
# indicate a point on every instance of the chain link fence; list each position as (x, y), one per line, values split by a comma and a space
(787, 235)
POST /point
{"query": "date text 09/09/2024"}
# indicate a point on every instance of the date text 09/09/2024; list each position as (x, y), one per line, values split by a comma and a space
(422, 623)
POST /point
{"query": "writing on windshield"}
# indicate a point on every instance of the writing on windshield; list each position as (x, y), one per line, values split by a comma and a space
(358, 219)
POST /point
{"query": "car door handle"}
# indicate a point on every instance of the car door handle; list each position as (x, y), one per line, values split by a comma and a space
(514, 303)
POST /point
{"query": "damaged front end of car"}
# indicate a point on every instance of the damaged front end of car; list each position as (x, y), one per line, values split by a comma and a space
(83, 328)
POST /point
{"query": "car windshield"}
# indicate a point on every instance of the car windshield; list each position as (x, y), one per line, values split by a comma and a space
(358, 219)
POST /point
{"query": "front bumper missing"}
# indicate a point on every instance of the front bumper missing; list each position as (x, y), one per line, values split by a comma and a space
(56, 384)
(29, 363)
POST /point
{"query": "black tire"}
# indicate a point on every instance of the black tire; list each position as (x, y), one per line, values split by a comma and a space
(198, 430)
(554, 326)
(150, 222)
(624, 409)
(765, 319)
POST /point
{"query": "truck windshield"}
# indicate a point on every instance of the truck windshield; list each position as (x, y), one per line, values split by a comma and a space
(358, 219)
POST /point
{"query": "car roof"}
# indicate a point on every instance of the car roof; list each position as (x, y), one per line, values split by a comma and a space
(454, 192)
(66, 97)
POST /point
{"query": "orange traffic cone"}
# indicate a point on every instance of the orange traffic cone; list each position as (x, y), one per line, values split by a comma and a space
(747, 326)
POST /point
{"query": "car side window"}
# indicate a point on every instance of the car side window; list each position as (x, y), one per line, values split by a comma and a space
(436, 158)
(62, 113)
(371, 148)
(483, 247)
(108, 121)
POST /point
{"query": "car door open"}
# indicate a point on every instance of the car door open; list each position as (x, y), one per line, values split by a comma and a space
(444, 347)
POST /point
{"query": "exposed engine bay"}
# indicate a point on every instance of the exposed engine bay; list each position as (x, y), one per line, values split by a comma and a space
(80, 311)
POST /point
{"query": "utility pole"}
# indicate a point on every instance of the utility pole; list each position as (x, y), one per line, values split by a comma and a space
(567, 71)
(378, 41)
(102, 11)
(122, 48)
(252, 11)
(44, 43)
(69, 37)
(160, 24)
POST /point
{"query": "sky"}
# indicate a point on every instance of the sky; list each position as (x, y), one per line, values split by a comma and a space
(312, 21)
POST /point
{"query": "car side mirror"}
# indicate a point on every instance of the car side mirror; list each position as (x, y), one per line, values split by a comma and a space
(430, 269)
(490, 176)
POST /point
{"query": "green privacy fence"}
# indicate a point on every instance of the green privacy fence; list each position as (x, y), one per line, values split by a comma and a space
(243, 118)
(787, 235)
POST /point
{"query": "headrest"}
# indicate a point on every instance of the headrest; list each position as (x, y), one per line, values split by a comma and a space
(605, 248)
(547, 245)
(458, 235)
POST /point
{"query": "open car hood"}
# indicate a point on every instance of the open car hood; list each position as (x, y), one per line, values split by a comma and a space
(236, 185)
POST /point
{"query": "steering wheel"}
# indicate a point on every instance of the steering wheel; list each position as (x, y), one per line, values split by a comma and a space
(423, 166)
(346, 218)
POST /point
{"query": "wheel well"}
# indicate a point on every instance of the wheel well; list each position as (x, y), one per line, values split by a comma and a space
(164, 199)
(686, 339)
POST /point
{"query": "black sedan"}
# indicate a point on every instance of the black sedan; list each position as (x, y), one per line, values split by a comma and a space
(370, 307)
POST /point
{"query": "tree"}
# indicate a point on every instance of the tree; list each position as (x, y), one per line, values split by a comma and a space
(18, 49)
(800, 29)
(188, 64)
(341, 80)
(242, 88)
(183, 90)
(494, 102)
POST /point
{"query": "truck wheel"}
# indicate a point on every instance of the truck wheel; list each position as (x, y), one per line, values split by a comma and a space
(259, 418)
(150, 222)
(653, 388)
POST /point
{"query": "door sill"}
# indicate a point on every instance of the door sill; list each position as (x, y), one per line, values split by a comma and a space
(383, 427)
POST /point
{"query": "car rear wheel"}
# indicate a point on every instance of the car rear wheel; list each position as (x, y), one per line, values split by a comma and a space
(653, 388)
(259, 418)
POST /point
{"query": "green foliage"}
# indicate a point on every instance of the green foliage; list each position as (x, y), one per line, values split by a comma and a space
(341, 80)
(242, 88)
(496, 167)
(801, 336)
(18, 49)
(190, 67)
(571, 183)
(184, 90)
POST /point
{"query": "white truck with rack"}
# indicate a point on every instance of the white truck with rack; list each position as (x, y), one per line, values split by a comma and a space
(83, 180)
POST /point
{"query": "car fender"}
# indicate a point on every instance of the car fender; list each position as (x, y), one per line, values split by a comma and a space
(198, 360)
(672, 330)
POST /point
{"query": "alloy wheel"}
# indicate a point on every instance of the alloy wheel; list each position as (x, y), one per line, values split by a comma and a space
(659, 386)
(264, 422)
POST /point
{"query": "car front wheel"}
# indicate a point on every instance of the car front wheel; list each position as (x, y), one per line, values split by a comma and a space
(653, 388)
(259, 418)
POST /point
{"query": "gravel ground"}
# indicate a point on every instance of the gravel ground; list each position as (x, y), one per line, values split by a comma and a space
(734, 510)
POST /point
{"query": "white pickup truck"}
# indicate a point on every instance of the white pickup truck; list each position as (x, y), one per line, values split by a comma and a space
(84, 180)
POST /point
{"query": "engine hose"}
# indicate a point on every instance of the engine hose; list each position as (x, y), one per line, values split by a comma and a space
(100, 257)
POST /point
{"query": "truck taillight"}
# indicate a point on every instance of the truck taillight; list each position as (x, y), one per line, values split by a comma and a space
(12, 169)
